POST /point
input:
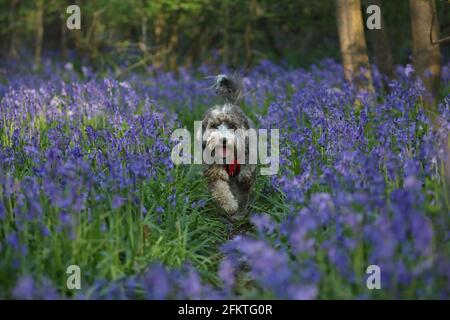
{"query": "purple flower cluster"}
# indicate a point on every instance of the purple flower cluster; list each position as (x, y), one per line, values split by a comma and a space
(361, 180)
(364, 187)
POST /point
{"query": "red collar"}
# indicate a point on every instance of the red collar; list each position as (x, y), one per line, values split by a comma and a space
(232, 169)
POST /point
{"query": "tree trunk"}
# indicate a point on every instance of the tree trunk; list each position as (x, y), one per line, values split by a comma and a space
(252, 10)
(12, 20)
(63, 36)
(381, 47)
(158, 30)
(226, 27)
(248, 43)
(39, 32)
(144, 39)
(172, 48)
(426, 57)
(353, 44)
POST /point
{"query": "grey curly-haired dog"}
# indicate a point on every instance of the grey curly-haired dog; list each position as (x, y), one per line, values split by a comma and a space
(230, 180)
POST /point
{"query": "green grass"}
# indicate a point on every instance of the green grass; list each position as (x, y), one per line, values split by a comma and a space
(157, 222)
(109, 243)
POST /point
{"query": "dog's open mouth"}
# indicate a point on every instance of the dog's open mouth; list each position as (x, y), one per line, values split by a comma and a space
(231, 167)
(229, 157)
(224, 152)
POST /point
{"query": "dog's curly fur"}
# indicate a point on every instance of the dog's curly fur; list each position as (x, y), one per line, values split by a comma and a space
(230, 191)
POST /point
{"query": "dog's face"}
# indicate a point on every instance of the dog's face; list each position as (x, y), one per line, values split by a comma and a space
(221, 140)
(221, 132)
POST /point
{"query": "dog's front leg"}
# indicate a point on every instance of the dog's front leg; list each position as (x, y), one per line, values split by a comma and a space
(218, 182)
(221, 191)
(246, 176)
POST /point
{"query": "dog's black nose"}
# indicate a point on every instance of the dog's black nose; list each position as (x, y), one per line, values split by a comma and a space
(224, 142)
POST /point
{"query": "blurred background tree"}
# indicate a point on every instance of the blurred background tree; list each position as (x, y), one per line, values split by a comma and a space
(173, 33)
(426, 56)
(355, 60)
